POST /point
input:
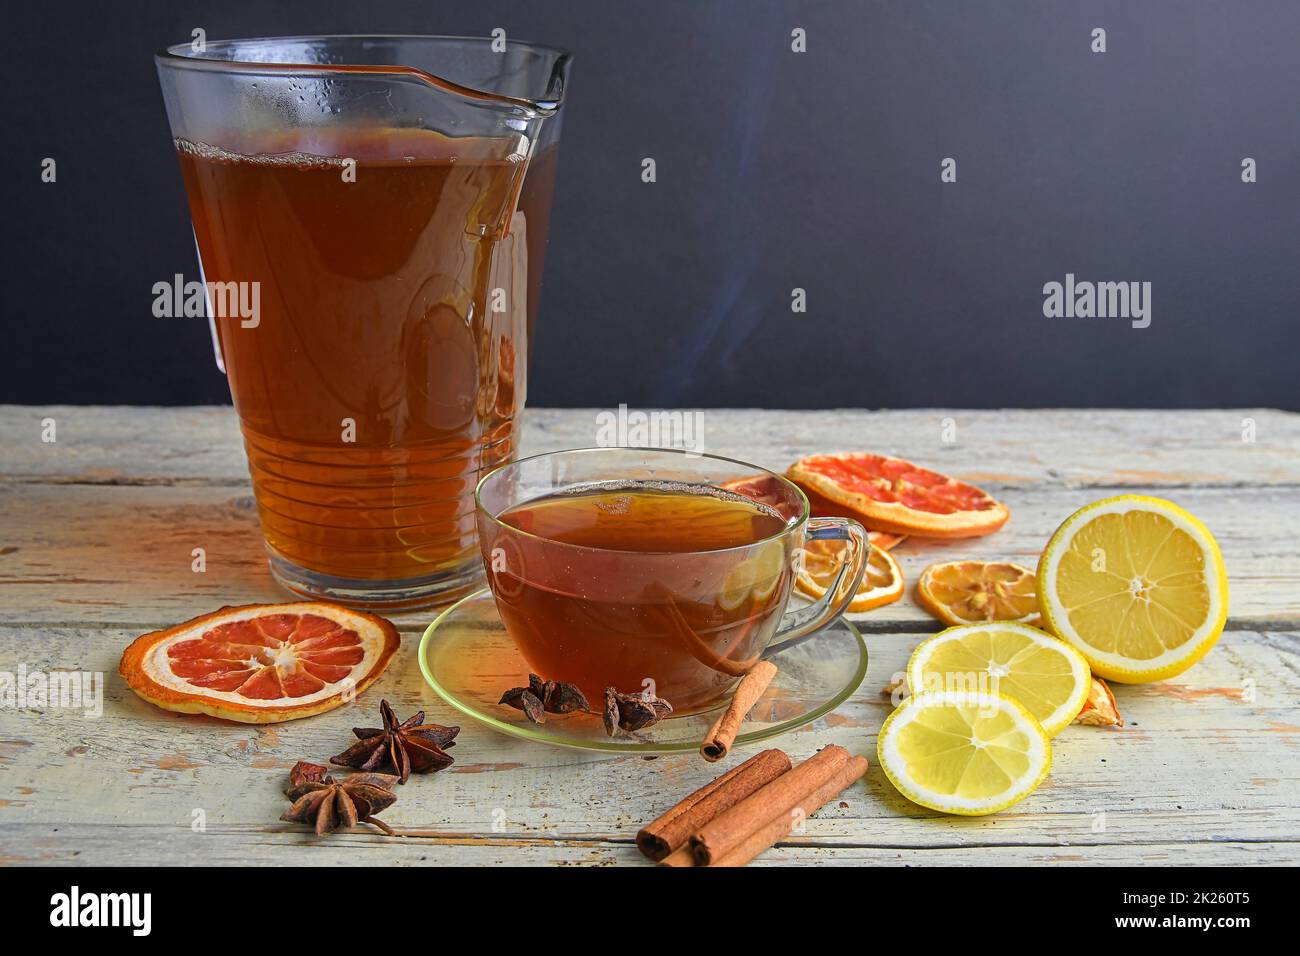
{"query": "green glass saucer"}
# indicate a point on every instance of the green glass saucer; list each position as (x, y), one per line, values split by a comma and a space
(469, 660)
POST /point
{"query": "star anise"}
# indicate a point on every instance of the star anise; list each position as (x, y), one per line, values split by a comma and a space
(399, 748)
(633, 712)
(330, 804)
(543, 697)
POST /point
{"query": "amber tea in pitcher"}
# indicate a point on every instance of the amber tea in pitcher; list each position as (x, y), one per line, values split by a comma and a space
(377, 380)
(387, 199)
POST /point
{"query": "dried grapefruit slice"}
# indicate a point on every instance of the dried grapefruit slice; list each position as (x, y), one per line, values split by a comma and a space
(890, 494)
(884, 540)
(882, 583)
(765, 489)
(768, 490)
(976, 592)
(261, 663)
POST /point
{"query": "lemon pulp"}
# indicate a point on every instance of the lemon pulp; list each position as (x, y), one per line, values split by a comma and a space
(1045, 675)
(1137, 584)
(964, 753)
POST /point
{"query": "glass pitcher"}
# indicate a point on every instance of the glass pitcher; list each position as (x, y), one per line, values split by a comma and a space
(370, 214)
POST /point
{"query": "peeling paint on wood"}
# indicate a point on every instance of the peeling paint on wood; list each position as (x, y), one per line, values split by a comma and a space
(95, 549)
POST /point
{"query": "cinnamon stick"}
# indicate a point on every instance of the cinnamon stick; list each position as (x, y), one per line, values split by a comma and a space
(698, 647)
(780, 827)
(682, 856)
(672, 830)
(730, 829)
(718, 741)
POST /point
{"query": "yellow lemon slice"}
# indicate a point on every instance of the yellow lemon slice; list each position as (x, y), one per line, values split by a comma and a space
(969, 754)
(1047, 676)
(1137, 584)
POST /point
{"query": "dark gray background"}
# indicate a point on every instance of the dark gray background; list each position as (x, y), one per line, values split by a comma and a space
(775, 170)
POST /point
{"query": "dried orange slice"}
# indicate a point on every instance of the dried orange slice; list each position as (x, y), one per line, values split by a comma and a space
(979, 592)
(1099, 709)
(890, 494)
(882, 582)
(261, 663)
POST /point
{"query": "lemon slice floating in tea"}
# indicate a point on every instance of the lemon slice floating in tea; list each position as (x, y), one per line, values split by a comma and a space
(754, 577)
(1047, 676)
(969, 754)
(1137, 584)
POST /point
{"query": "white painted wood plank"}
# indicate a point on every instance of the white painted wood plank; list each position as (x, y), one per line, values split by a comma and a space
(81, 844)
(1198, 764)
(997, 448)
(1206, 772)
(122, 554)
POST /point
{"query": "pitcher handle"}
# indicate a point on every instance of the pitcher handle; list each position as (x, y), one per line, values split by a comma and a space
(799, 623)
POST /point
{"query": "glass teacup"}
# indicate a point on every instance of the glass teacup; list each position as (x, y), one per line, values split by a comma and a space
(652, 569)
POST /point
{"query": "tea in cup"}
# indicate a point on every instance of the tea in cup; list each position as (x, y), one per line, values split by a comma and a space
(641, 570)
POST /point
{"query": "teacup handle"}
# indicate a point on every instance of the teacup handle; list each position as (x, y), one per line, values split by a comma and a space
(800, 623)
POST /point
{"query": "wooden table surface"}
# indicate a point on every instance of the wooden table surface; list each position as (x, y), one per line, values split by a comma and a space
(95, 548)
